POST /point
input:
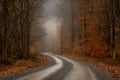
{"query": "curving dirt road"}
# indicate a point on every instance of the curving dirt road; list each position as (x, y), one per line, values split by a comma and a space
(65, 69)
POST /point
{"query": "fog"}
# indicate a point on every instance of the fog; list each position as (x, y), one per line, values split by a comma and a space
(52, 16)
(50, 21)
(50, 40)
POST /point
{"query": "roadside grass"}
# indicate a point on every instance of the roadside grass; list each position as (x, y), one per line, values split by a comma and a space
(112, 66)
(23, 64)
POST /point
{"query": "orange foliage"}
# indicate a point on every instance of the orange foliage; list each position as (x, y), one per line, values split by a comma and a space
(118, 51)
(92, 27)
(99, 50)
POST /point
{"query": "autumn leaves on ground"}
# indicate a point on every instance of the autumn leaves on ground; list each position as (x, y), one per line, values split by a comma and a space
(89, 32)
(23, 64)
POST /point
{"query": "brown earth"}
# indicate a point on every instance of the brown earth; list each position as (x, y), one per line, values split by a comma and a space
(22, 65)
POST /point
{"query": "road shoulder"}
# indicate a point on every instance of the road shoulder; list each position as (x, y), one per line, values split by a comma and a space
(17, 75)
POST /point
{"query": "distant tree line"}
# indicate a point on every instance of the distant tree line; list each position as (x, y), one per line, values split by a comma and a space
(17, 18)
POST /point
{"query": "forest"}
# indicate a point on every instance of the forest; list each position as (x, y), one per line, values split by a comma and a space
(17, 28)
(86, 27)
(95, 28)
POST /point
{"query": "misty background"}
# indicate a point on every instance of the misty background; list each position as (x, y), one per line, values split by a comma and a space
(52, 18)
